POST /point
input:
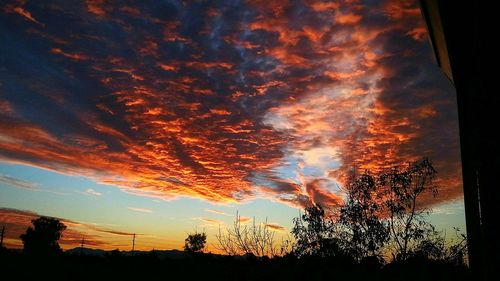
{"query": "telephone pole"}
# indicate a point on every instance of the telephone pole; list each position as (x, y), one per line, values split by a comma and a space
(133, 244)
(1, 239)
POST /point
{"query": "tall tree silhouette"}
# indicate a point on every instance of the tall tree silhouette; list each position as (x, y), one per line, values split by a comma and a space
(403, 188)
(43, 237)
(361, 217)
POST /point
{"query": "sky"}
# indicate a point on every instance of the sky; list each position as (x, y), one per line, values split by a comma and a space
(162, 118)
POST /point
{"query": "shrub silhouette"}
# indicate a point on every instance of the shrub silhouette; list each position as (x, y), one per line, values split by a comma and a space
(251, 240)
(195, 243)
(43, 237)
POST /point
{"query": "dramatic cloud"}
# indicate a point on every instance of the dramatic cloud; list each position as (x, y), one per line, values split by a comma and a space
(224, 100)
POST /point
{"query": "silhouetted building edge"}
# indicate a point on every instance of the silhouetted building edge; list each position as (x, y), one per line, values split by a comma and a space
(458, 35)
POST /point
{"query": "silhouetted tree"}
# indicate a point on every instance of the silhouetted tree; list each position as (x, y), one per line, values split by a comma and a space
(361, 217)
(316, 235)
(43, 237)
(402, 189)
(382, 215)
(195, 243)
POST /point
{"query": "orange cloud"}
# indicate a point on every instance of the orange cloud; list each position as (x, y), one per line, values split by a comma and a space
(96, 7)
(276, 227)
(319, 195)
(25, 14)
(348, 18)
(243, 219)
(319, 6)
(211, 222)
(220, 111)
(167, 67)
(418, 33)
(76, 57)
(397, 10)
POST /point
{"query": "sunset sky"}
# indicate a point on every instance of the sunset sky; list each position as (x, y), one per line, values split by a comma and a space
(162, 118)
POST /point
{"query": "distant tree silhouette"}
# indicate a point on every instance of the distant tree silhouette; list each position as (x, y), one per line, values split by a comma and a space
(361, 217)
(43, 237)
(114, 254)
(316, 235)
(195, 243)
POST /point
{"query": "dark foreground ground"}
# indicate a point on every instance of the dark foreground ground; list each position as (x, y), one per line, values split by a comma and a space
(16, 266)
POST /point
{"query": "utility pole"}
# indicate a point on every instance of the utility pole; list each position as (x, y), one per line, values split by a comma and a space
(133, 244)
(1, 240)
(81, 247)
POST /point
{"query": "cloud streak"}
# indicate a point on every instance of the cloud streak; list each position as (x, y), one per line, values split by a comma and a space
(275, 227)
(217, 212)
(140, 210)
(18, 183)
(92, 192)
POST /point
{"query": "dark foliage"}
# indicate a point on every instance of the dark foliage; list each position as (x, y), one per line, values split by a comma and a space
(361, 218)
(43, 237)
(316, 235)
(195, 243)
